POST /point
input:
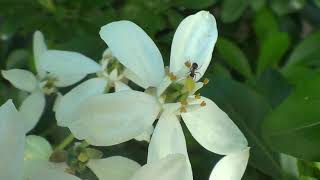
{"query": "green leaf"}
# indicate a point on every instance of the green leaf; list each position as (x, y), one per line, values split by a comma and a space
(264, 23)
(247, 109)
(272, 50)
(287, 6)
(294, 126)
(233, 56)
(307, 50)
(233, 9)
(317, 2)
(272, 85)
(192, 4)
(257, 4)
(48, 4)
(298, 74)
(18, 59)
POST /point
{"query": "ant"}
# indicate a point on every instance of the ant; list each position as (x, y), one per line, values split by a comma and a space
(192, 70)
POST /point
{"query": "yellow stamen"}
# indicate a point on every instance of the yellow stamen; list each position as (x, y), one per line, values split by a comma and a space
(205, 81)
(197, 96)
(189, 84)
(183, 110)
(188, 64)
(184, 102)
(203, 103)
(172, 77)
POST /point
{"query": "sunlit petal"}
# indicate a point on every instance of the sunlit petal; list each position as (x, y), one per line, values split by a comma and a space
(63, 80)
(20, 79)
(120, 86)
(146, 135)
(172, 167)
(31, 109)
(66, 110)
(194, 41)
(12, 140)
(113, 168)
(114, 118)
(135, 50)
(39, 46)
(231, 167)
(67, 62)
(214, 130)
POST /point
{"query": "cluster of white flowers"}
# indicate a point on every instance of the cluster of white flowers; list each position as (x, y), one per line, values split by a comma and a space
(106, 111)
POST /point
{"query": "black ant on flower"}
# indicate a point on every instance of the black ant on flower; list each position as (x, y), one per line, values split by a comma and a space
(192, 69)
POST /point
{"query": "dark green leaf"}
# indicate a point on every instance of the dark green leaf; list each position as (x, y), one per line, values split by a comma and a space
(192, 4)
(233, 56)
(233, 9)
(272, 50)
(264, 23)
(283, 7)
(247, 109)
(294, 126)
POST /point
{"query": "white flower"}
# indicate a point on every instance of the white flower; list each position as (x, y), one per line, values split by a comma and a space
(114, 118)
(21, 158)
(171, 167)
(54, 69)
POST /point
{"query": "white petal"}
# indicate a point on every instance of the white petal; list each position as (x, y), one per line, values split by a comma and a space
(31, 109)
(194, 41)
(57, 101)
(44, 170)
(231, 167)
(214, 130)
(110, 119)
(20, 79)
(135, 50)
(172, 167)
(113, 168)
(66, 110)
(168, 138)
(67, 62)
(12, 140)
(120, 86)
(64, 80)
(39, 46)
(136, 79)
(146, 135)
(37, 148)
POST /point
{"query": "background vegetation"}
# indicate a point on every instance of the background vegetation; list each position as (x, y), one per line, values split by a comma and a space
(264, 72)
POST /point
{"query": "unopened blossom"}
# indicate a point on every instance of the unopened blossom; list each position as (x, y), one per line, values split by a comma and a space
(171, 167)
(110, 119)
(24, 158)
(54, 68)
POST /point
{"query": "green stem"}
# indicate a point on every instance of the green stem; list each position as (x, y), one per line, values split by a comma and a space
(65, 142)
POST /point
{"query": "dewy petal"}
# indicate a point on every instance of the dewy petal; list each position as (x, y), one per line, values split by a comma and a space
(231, 167)
(172, 167)
(214, 130)
(20, 79)
(110, 119)
(135, 50)
(113, 168)
(63, 80)
(12, 140)
(120, 86)
(168, 138)
(194, 41)
(44, 170)
(31, 109)
(39, 46)
(66, 110)
(66, 62)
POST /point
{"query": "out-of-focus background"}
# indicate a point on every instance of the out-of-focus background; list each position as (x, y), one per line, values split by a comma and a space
(264, 72)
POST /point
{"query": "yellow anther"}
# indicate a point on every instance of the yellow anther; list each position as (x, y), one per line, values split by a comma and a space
(70, 171)
(172, 77)
(203, 103)
(197, 96)
(188, 64)
(83, 157)
(205, 81)
(183, 110)
(184, 102)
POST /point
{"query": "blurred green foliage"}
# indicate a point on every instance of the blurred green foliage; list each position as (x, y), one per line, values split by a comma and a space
(265, 68)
